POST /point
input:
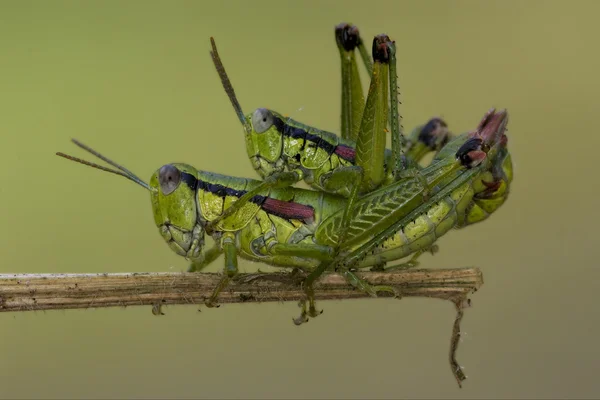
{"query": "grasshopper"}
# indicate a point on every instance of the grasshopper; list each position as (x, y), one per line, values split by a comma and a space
(284, 151)
(293, 227)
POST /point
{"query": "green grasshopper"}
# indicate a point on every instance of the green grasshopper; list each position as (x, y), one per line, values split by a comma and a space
(284, 151)
(293, 227)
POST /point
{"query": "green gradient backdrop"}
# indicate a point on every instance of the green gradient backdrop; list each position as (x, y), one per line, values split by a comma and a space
(134, 79)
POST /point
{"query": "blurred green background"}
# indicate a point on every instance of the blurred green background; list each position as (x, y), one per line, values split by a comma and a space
(134, 79)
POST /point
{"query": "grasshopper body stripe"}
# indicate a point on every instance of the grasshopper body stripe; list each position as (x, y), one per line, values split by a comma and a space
(190, 180)
(283, 209)
(293, 132)
(223, 191)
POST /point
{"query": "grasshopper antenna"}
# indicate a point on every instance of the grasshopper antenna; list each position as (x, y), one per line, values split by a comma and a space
(122, 171)
(227, 85)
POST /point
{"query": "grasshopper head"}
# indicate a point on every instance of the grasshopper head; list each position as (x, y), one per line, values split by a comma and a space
(175, 209)
(173, 194)
(264, 142)
(491, 187)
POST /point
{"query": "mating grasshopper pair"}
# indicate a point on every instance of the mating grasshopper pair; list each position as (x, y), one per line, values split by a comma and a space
(402, 210)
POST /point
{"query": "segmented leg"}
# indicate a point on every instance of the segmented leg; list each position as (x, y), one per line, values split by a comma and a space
(351, 277)
(430, 137)
(230, 270)
(348, 39)
(371, 141)
(354, 257)
(210, 255)
(347, 261)
(398, 139)
(313, 251)
(325, 254)
(306, 313)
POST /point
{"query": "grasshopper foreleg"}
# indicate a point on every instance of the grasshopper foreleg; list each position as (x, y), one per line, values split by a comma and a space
(209, 256)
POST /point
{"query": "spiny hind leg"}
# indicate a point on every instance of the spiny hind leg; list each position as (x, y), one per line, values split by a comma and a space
(348, 40)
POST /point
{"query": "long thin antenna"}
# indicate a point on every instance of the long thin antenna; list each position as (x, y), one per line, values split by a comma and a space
(122, 171)
(227, 85)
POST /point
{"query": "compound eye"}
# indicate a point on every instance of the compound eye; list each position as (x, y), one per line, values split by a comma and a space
(262, 119)
(168, 178)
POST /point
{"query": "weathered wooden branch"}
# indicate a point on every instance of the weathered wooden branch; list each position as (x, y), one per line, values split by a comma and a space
(32, 292)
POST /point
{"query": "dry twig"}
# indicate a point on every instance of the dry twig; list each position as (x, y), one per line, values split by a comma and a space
(32, 292)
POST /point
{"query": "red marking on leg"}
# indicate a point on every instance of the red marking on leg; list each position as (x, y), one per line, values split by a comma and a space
(288, 209)
(347, 153)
